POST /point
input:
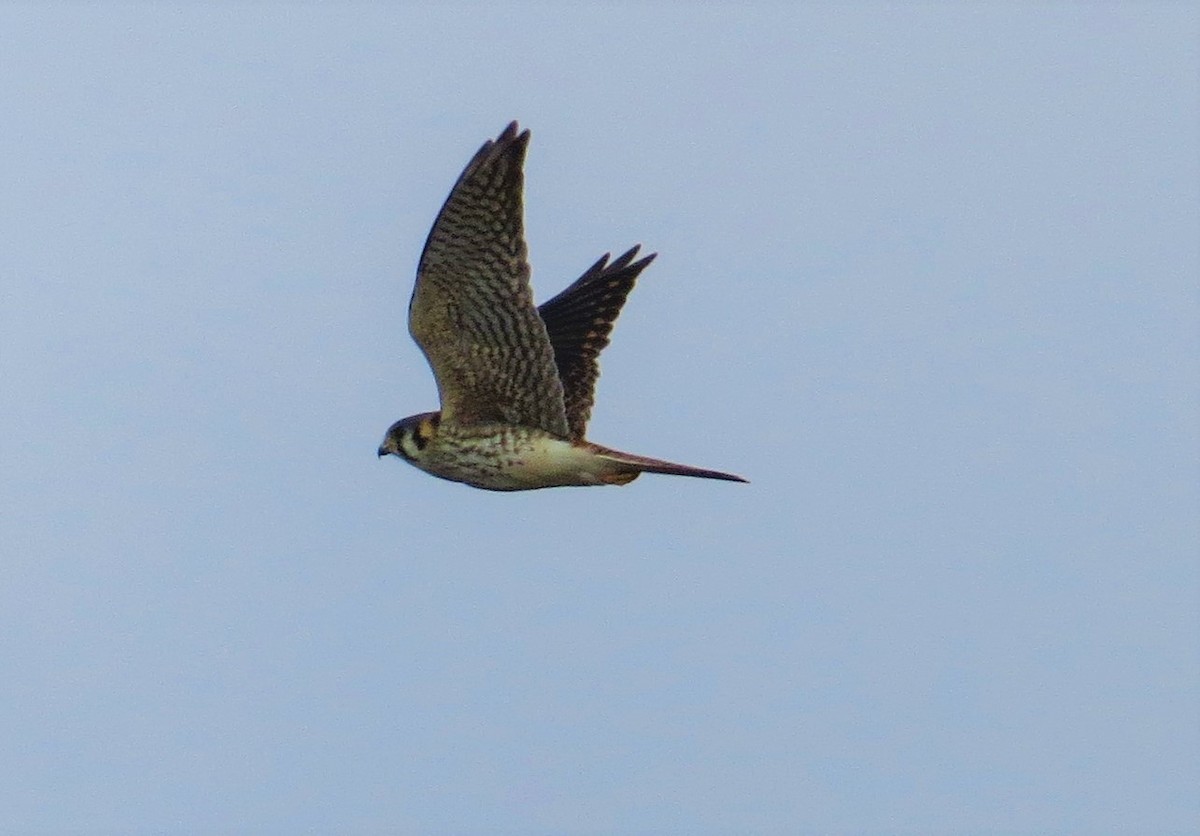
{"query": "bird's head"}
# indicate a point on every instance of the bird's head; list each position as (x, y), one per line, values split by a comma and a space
(408, 437)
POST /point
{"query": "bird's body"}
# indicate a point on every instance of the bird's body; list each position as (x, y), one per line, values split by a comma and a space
(516, 382)
(502, 457)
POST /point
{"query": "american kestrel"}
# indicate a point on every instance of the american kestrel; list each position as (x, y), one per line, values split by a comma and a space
(515, 381)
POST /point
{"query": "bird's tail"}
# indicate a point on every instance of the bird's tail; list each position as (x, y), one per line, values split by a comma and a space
(628, 467)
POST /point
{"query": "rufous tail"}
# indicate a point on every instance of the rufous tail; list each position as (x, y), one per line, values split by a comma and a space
(633, 465)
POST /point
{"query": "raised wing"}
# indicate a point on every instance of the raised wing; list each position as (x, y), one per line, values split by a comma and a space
(472, 311)
(579, 321)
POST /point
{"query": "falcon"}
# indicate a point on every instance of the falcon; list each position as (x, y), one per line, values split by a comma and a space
(516, 382)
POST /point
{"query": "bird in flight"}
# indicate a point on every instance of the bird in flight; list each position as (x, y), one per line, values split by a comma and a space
(516, 382)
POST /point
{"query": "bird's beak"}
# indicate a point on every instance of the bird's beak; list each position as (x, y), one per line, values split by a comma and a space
(381, 452)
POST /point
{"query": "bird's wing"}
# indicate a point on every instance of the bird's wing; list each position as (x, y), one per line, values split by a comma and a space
(472, 310)
(579, 321)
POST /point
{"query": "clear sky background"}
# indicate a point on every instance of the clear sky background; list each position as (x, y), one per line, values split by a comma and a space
(927, 277)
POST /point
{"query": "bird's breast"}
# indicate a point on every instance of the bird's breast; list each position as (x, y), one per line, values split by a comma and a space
(507, 458)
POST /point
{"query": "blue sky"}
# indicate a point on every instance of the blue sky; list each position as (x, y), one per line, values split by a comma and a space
(927, 277)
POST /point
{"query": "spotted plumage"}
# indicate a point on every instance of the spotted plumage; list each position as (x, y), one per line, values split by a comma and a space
(579, 321)
(516, 382)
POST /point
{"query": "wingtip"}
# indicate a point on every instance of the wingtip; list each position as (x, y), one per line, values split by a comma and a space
(630, 254)
(508, 142)
(513, 133)
(626, 259)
